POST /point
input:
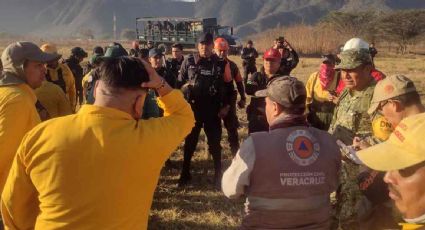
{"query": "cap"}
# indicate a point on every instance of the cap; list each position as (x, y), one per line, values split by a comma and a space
(114, 51)
(18, 52)
(329, 59)
(353, 58)
(272, 54)
(150, 42)
(155, 52)
(249, 42)
(98, 50)
(144, 53)
(285, 90)
(49, 48)
(206, 38)
(390, 87)
(221, 44)
(404, 147)
(79, 52)
(95, 59)
(355, 43)
(280, 39)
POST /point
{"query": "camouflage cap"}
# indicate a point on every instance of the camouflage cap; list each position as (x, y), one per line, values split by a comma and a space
(390, 87)
(353, 58)
(286, 91)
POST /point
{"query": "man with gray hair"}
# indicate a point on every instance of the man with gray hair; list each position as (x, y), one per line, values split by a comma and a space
(287, 173)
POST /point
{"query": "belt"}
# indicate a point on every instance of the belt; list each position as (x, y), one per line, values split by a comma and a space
(288, 204)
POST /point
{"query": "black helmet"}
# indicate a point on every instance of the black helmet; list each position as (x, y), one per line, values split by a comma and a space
(78, 52)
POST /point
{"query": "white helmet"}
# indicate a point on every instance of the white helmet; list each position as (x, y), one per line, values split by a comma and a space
(355, 43)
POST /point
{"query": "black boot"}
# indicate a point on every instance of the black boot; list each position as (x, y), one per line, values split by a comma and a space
(185, 176)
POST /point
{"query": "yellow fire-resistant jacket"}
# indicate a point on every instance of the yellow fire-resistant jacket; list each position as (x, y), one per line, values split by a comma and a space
(18, 115)
(69, 79)
(97, 169)
(314, 89)
(407, 226)
(53, 100)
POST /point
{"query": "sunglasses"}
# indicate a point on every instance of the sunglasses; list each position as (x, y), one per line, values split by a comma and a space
(409, 171)
(381, 105)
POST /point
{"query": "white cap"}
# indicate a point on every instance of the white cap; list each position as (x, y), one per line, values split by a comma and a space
(355, 43)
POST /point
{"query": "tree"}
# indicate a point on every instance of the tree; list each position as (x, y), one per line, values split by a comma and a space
(402, 27)
(128, 34)
(350, 24)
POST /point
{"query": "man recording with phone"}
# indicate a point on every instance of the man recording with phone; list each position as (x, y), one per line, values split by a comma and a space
(289, 56)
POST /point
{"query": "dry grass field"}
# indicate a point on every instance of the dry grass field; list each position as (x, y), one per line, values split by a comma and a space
(200, 205)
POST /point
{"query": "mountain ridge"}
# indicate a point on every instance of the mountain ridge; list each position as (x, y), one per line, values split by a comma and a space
(68, 18)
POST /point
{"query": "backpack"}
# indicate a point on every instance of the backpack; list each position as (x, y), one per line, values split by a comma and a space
(60, 82)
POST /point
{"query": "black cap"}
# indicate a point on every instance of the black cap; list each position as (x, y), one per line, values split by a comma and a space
(206, 38)
(155, 52)
(280, 39)
(329, 59)
(144, 53)
(98, 50)
(78, 52)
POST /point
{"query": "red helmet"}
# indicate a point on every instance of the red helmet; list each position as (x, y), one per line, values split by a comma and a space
(221, 44)
(272, 54)
(135, 44)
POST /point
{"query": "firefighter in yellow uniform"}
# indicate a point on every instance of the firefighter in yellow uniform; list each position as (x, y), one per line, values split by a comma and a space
(60, 74)
(53, 99)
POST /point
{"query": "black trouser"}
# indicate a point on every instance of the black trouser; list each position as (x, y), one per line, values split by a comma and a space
(231, 123)
(248, 69)
(80, 96)
(257, 121)
(208, 120)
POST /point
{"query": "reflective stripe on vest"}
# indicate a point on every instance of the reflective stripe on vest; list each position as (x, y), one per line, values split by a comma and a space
(287, 204)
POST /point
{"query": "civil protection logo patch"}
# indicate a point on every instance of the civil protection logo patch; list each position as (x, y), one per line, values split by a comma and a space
(302, 147)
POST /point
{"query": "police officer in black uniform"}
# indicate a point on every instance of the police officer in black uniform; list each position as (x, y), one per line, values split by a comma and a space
(156, 59)
(135, 49)
(175, 62)
(248, 55)
(77, 56)
(202, 80)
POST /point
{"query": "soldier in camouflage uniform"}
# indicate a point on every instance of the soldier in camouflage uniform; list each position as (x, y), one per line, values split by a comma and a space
(351, 119)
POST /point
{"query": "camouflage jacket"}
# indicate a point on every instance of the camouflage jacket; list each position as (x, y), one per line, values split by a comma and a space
(350, 117)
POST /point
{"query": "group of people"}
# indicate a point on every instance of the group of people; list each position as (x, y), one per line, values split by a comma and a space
(318, 156)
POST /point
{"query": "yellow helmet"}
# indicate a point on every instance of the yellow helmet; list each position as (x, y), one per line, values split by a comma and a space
(49, 48)
(381, 128)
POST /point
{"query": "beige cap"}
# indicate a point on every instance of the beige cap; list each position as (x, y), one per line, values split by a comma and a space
(390, 87)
